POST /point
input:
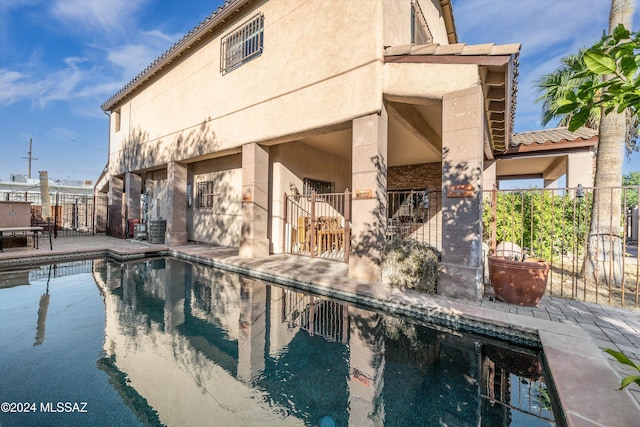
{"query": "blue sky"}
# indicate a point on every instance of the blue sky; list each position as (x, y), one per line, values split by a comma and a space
(61, 59)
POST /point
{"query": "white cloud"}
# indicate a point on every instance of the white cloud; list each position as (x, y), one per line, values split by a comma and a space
(132, 58)
(15, 86)
(547, 29)
(97, 16)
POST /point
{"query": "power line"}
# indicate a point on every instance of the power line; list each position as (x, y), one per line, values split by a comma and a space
(53, 130)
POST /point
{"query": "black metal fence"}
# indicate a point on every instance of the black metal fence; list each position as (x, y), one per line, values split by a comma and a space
(71, 214)
(596, 262)
(415, 214)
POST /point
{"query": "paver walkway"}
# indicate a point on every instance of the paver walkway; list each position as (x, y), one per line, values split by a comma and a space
(608, 327)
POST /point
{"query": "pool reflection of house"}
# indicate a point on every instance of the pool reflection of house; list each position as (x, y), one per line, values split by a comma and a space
(267, 97)
(187, 343)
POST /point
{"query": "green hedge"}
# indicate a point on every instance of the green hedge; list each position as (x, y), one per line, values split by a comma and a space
(545, 223)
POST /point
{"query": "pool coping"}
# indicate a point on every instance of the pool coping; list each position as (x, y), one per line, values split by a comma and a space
(585, 382)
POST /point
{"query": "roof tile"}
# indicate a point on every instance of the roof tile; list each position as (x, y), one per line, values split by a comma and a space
(552, 135)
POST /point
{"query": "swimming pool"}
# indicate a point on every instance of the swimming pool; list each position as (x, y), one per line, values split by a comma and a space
(166, 342)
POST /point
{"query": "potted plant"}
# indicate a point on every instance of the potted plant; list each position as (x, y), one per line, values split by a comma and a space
(515, 278)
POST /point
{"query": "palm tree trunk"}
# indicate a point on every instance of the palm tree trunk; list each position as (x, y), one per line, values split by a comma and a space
(604, 245)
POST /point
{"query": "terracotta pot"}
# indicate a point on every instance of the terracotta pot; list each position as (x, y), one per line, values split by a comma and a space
(518, 282)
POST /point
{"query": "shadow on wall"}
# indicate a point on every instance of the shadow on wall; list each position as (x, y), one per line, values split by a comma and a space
(369, 241)
(215, 214)
(461, 212)
(139, 152)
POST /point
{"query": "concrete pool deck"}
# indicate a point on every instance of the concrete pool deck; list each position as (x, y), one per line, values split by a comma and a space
(572, 333)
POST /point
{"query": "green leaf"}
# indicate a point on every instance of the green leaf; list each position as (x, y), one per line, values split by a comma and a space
(621, 357)
(621, 33)
(629, 380)
(629, 67)
(578, 119)
(599, 64)
(567, 108)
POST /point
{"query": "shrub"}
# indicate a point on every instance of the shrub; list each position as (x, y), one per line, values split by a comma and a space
(547, 224)
(411, 264)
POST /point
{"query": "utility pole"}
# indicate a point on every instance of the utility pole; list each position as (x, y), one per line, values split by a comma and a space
(30, 156)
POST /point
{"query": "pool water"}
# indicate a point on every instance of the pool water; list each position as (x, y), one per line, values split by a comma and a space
(166, 342)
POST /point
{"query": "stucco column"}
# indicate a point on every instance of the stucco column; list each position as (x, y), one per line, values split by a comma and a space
(254, 241)
(133, 188)
(580, 167)
(115, 191)
(551, 184)
(174, 290)
(369, 201)
(489, 175)
(366, 365)
(253, 329)
(176, 233)
(460, 272)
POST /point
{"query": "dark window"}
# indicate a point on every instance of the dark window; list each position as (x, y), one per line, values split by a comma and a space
(205, 195)
(242, 44)
(318, 187)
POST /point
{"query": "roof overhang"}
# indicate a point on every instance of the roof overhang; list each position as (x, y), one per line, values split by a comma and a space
(449, 23)
(498, 74)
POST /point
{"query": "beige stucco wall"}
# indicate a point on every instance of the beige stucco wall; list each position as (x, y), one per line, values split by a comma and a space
(220, 224)
(397, 21)
(430, 81)
(290, 164)
(433, 14)
(312, 73)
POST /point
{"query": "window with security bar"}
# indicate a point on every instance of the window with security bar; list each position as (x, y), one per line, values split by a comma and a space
(205, 194)
(243, 44)
(420, 33)
(317, 186)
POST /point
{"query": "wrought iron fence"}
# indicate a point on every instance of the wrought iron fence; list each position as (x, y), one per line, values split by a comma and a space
(71, 214)
(318, 225)
(587, 235)
(415, 214)
(317, 316)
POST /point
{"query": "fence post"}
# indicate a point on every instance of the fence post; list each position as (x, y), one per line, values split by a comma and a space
(93, 216)
(347, 225)
(55, 219)
(494, 202)
(312, 225)
(284, 223)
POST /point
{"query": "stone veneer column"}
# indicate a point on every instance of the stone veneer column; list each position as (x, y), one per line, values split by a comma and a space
(133, 188)
(369, 200)
(460, 272)
(115, 191)
(176, 233)
(254, 241)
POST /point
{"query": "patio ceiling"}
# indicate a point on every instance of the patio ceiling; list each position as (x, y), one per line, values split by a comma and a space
(498, 69)
(407, 143)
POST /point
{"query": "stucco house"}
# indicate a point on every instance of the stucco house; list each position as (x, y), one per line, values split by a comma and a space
(267, 97)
